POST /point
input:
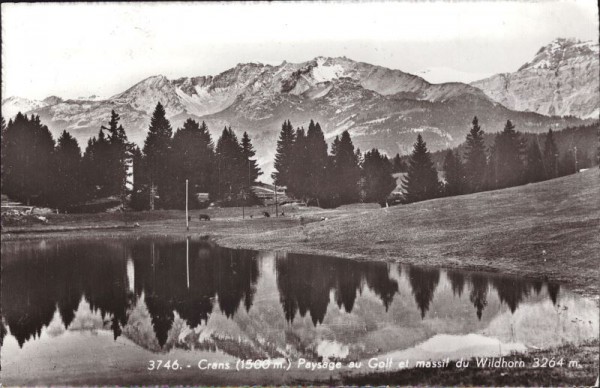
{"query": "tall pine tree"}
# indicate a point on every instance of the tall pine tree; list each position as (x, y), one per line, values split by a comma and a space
(96, 160)
(193, 159)
(28, 155)
(509, 150)
(230, 172)
(157, 153)
(118, 157)
(475, 158)
(250, 165)
(421, 181)
(345, 170)
(299, 168)
(283, 155)
(68, 174)
(317, 163)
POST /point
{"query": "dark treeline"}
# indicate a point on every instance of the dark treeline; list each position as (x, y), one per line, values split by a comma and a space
(114, 276)
(509, 159)
(311, 174)
(224, 172)
(584, 138)
(38, 170)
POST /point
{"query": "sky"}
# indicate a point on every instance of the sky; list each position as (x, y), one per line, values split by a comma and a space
(78, 50)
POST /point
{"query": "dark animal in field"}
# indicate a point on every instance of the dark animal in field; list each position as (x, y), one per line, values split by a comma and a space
(204, 217)
(266, 214)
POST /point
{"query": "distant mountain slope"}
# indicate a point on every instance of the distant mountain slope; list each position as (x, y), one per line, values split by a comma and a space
(380, 107)
(13, 105)
(562, 79)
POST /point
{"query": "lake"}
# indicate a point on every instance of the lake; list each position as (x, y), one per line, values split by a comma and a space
(105, 311)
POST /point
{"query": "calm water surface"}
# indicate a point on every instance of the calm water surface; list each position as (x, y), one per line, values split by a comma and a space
(87, 311)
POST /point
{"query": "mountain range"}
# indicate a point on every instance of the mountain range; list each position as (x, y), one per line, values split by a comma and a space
(562, 79)
(380, 107)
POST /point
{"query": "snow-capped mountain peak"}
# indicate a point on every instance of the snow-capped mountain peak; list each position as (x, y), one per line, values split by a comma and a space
(13, 105)
(561, 50)
(326, 70)
(381, 107)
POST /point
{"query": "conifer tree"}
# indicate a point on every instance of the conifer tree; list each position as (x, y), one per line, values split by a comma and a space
(27, 157)
(345, 170)
(67, 177)
(421, 182)
(193, 159)
(377, 180)
(283, 156)
(250, 165)
(475, 158)
(535, 164)
(508, 157)
(550, 156)
(157, 152)
(96, 161)
(118, 154)
(206, 160)
(230, 173)
(317, 162)
(299, 172)
(454, 173)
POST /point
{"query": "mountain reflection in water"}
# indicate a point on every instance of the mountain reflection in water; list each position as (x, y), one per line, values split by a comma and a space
(192, 294)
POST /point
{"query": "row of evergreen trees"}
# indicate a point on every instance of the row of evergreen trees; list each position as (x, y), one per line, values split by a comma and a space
(226, 172)
(39, 171)
(304, 166)
(510, 161)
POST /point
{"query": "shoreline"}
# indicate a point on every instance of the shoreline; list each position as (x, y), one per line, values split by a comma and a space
(555, 237)
(552, 237)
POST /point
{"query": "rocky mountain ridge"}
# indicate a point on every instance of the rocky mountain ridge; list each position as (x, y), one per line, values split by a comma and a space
(562, 79)
(380, 107)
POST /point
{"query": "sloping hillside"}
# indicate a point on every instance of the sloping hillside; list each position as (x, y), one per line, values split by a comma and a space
(544, 229)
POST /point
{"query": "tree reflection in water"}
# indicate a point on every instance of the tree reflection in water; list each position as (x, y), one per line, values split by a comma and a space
(201, 279)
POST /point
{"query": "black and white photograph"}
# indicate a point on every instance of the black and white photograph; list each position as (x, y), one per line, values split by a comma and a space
(300, 193)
